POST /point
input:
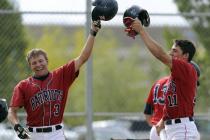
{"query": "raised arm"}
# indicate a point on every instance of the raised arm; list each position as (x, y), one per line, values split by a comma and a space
(87, 49)
(151, 44)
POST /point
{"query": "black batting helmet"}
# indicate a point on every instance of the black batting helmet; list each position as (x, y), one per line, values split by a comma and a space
(104, 9)
(3, 109)
(137, 12)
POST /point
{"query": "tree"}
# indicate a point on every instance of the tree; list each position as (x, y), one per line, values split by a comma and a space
(12, 46)
(201, 25)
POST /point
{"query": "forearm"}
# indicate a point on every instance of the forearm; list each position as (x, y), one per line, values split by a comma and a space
(87, 49)
(12, 116)
(151, 44)
(85, 53)
(154, 47)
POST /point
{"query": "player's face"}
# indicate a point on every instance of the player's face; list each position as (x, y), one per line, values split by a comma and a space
(38, 65)
(176, 52)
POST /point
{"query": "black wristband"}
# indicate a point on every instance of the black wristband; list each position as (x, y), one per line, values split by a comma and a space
(93, 33)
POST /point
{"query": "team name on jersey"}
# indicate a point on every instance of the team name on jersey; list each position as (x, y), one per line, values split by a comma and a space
(45, 96)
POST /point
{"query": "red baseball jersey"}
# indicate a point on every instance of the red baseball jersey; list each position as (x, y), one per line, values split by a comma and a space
(155, 101)
(44, 100)
(181, 90)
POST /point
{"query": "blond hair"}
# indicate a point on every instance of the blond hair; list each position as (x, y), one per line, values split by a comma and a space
(34, 53)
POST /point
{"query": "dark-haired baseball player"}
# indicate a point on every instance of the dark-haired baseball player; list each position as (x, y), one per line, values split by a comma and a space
(44, 94)
(178, 110)
(155, 102)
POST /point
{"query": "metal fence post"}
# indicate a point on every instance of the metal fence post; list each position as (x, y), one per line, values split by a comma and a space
(89, 80)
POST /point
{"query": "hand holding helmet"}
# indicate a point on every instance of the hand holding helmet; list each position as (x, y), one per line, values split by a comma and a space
(104, 10)
(131, 14)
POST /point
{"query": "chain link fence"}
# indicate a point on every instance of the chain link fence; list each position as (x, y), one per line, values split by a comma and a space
(123, 71)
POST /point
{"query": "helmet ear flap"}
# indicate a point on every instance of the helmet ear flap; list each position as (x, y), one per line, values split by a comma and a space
(143, 16)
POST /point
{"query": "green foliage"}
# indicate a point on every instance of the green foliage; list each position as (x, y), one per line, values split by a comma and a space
(12, 46)
(169, 35)
(117, 79)
(55, 43)
(201, 26)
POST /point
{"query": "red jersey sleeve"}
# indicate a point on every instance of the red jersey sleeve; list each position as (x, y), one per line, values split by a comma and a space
(69, 73)
(17, 99)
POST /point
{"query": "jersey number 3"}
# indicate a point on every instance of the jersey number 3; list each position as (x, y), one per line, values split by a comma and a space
(57, 109)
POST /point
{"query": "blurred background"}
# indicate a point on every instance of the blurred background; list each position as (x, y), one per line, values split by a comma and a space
(107, 100)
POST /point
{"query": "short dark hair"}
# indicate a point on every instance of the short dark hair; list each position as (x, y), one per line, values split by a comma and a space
(186, 47)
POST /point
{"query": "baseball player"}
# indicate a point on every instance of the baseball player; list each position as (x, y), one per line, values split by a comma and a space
(178, 110)
(155, 102)
(154, 105)
(44, 94)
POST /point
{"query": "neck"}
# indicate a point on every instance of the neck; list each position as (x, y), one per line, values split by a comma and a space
(43, 77)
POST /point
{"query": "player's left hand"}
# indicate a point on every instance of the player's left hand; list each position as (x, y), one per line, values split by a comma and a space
(21, 132)
(96, 25)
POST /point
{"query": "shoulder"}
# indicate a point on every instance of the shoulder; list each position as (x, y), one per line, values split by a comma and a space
(179, 62)
(69, 64)
(182, 68)
(163, 79)
(23, 83)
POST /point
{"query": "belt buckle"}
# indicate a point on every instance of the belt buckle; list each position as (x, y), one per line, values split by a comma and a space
(47, 129)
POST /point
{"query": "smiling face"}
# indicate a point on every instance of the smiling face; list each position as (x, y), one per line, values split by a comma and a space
(39, 65)
(176, 52)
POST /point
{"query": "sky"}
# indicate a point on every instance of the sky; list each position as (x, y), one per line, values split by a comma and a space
(152, 6)
(160, 6)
